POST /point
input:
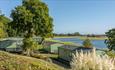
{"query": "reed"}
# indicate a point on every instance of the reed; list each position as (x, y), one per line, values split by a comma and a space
(91, 61)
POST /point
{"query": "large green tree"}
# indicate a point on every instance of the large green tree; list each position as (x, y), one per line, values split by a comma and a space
(110, 42)
(34, 13)
(31, 19)
(22, 21)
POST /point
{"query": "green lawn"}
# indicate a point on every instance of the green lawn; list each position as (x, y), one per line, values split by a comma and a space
(82, 37)
(65, 43)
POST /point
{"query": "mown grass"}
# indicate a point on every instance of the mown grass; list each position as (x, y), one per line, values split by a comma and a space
(17, 62)
(82, 37)
(65, 43)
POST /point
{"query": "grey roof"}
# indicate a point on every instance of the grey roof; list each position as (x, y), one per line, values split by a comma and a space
(69, 47)
(82, 48)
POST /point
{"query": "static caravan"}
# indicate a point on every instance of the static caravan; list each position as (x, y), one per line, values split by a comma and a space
(67, 51)
(51, 47)
(11, 45)
(54, 47)
(14, 48)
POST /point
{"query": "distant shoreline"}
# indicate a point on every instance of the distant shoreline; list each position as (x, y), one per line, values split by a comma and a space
(82, 37)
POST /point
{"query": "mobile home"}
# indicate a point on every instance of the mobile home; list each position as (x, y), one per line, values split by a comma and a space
(52, 47)
(67, 51)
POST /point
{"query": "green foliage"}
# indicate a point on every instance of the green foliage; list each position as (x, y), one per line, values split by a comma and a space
(2, 31)
(111, 54)
(87, 43)
(29, 19)
(77, 34)
(29, 45)
(3, 26)
(11, 32)
(4, 19)
(43, 22)
(32, 18)
(110, 42)
(22, 20)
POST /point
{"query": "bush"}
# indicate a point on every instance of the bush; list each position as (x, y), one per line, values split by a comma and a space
(110, 41)
(91, 61)
(29, 45)
(3, 33)
(111, 54)
(87, 43)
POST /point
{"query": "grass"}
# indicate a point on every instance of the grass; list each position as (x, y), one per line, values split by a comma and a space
(65, 43)
(50, 55)
(82, 37)
(17, 62)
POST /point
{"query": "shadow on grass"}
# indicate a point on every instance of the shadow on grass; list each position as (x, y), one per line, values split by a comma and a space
(61, 62)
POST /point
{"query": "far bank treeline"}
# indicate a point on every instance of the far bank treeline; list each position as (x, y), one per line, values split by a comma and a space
(78, 34)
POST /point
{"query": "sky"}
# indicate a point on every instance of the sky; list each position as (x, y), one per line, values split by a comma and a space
(84, 16)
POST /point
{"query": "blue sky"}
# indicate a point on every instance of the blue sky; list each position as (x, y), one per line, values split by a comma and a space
(84, 16)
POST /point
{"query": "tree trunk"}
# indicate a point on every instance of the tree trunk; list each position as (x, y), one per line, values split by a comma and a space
(42, 40)
(28, 52)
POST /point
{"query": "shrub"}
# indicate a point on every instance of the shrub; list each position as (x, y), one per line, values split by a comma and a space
(29, 45)
(111, 54)
(87, 43)
(110, 41)
(91, 61)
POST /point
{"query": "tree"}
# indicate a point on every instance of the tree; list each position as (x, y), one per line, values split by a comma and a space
(3, 25)
(38, 14)
(2, 31)
(87, 43)
(29, 45)
(110, 42)
(22, 21)
(43, 22)
(31, 19)
(77, 34)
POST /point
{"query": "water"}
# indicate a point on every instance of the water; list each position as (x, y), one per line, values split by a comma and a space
(97, 43)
